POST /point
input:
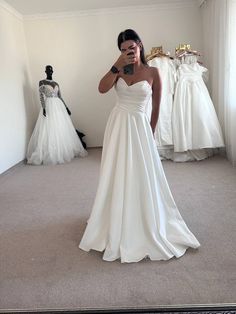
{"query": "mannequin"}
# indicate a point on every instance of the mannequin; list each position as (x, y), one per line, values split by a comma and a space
(54, 139)
(50, 81)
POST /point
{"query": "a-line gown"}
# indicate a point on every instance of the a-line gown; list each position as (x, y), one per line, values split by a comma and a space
(134, 214)
(54, 139)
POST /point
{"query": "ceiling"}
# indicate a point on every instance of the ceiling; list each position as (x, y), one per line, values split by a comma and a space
(32, 7)
(29, 7)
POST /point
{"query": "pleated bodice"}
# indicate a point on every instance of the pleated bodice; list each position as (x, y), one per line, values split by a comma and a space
(133, 98)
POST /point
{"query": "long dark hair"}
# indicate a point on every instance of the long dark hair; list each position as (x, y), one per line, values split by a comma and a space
(130, 34)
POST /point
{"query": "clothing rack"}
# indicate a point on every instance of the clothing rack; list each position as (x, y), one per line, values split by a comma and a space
(185, 50)
(157, 52)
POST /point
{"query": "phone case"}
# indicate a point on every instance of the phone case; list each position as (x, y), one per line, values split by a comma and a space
(128, 69)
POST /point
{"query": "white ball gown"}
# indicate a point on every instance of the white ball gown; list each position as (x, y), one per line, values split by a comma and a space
(54, 139)
(195, 123)
(163, 132)
(134, 214)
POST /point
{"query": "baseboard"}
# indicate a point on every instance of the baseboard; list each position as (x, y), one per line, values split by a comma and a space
(11, 169)
(184, 309)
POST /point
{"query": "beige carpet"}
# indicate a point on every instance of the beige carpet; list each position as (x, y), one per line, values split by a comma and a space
(42, 218)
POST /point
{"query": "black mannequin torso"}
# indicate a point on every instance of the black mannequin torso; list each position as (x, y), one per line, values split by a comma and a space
(49, 81)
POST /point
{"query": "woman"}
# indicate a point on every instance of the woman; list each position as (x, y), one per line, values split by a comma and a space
(134, 214)
(54, 139)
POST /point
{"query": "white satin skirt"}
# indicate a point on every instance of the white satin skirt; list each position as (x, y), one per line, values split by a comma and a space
(134, 214)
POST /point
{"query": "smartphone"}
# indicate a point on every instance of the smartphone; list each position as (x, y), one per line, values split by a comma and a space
(128, 69)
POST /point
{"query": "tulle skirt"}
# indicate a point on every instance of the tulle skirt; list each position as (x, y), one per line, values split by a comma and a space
(54, 139)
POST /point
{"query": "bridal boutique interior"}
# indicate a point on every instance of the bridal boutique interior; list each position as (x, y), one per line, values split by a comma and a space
(44, 209)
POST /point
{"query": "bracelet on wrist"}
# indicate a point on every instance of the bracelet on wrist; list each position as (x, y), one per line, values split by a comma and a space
(114, 70)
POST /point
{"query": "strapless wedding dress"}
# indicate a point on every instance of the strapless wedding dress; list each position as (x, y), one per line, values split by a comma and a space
(195, 123)
(134, 214)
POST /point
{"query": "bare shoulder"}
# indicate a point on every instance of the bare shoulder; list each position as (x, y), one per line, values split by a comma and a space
(153, 75)
(152, 68)
(154, 71)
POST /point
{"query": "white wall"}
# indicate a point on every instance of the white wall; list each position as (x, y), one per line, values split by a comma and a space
(82, 47)
(214, 29)
(16, 106)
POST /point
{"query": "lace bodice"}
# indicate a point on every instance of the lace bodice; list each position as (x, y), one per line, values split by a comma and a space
(48, 89)
(135, 97)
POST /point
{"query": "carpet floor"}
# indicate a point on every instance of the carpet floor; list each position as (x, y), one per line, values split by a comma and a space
(43, 213)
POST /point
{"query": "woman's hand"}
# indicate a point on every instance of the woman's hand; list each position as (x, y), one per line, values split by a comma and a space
(125, 58)
(110, 78)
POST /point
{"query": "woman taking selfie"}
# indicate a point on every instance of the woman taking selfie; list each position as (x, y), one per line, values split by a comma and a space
(134, 214)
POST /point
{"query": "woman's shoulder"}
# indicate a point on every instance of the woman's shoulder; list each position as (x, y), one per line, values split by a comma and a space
(152, 71)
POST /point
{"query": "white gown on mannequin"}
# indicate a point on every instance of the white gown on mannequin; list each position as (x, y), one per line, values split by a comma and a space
(134, 214)
(195, 124)
(54, 139)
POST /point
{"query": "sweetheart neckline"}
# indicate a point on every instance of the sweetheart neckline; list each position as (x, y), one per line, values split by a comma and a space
(51, 86)
(135, 82)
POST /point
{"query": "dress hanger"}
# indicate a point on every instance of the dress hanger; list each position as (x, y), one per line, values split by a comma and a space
(185, 50)
(157, 52)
